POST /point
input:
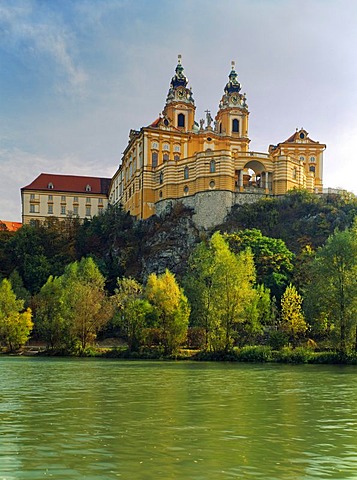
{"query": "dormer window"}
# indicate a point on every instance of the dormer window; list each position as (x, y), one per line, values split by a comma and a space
(302, 135)
(50, 185)
(88, 188)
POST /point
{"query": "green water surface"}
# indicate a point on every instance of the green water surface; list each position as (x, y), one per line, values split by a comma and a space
(109, 419)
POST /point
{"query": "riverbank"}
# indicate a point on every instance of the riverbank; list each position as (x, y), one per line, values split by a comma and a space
(250, 354)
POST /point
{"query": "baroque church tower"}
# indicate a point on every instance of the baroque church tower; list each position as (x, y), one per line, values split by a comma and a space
(207, 165)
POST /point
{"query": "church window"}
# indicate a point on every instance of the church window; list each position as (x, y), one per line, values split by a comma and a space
(212, 166)
(312, 159)
(235, 125)
(129, 192)
(166, 146)
(160, 194)
(185, 173)
(130, 170)
(180, 120)
(177, 148)
(166, 122)
(186, 190)
(154, 159)
(165, 157)
(176, 158)
(161, 178)
(155, 145)
(302, 135)
(302, 158)
(312, 168)
(220, 128)
(211, 184)
(294, 172)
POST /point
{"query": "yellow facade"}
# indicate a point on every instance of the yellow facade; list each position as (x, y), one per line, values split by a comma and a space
(177, 157)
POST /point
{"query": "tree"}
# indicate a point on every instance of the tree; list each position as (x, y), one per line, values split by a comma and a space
(233, 279)
(15, 324)
(333, 287)
(49, 314)
(220, 288)
(198, 284)
(292, 318)
(171, 307)
(272, 258)
(132, 311)
(86, 307)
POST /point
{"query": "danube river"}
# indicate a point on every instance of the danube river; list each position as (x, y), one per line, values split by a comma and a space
(139, 420)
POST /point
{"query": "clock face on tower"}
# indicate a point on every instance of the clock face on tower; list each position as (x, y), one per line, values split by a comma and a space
(181, 93)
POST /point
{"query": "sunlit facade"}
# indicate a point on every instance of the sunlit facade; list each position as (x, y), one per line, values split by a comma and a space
(176, 157)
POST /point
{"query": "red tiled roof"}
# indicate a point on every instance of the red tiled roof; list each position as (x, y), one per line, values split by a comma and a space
(11, 226)
(69, 183)
(155, 123)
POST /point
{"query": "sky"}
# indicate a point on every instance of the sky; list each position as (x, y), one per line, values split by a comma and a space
(77, 75)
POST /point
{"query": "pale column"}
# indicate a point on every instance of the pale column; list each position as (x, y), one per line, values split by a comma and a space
(266, 181)
(240, 181)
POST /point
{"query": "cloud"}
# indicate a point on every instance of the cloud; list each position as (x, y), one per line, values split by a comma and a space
(45, 37)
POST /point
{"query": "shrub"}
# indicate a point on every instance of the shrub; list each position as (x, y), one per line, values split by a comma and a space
(277, 339)
(259, 353)
(296, 355)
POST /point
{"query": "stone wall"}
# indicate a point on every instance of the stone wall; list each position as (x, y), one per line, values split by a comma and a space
(211, 207)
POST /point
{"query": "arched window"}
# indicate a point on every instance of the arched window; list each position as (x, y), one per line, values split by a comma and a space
(161, 178)
(180, 120)
(154, 159)
(235, 125)
(220, 128)
(176, 158)
(165, 157)
(88, 188)
(185, 173)
(50, 185)
(212, 166)
(312, 168)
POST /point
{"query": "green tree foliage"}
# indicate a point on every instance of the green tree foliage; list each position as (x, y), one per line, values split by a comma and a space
(292, 318)
(49, 314)
(198, 285)
(86, 308)
(40, 251)
(171, 307)
(15, 324)
(299, 218)
(332, 293)
(233, 280)
(132, 310)
(273, 260)
(112, 239)
(220, 288)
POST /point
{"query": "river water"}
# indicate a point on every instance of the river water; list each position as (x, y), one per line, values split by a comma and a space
(106, 419)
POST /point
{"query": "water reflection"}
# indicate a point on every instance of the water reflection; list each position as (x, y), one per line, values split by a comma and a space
(94, 419)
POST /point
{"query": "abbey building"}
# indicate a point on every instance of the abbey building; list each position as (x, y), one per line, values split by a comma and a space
(208, 164)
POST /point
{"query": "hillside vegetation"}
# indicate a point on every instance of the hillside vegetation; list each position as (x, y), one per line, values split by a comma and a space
(279, 273)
